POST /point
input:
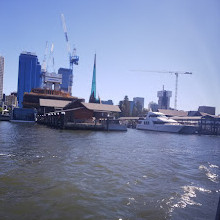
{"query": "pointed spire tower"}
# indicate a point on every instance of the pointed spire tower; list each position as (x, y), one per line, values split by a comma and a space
(92, 98)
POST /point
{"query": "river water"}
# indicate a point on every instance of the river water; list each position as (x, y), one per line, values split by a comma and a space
(61, 174)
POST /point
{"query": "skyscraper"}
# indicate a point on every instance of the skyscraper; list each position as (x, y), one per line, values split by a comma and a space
(140, 100)
(67, 80)
(1, 78)
(29, 74)
(164, 99)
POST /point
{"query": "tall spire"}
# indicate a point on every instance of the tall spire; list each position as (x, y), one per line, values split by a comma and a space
(92, 98)
(93, 90)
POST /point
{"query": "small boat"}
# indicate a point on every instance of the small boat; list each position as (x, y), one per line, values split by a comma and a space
(156, 121)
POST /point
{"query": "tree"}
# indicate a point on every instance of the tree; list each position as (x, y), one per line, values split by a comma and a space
(125, 107)
(144, 112)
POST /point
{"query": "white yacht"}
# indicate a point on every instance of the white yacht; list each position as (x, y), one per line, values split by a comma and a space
(156, 121)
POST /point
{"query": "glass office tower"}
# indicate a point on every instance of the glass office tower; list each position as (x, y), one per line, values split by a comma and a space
(67, 80)
(29, 74)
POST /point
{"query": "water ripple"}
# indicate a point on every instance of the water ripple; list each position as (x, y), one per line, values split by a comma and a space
(186, 199)
(52, 174)
(211, 175)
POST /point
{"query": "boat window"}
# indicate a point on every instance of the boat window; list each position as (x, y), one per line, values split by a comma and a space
(159, 122)
(153, 116)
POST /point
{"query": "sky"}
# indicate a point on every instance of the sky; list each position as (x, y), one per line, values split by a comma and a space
(157, 35)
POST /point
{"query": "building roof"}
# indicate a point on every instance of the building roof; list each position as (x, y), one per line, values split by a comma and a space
(28, 53)
(169, 112)
(53, 103)
(210, 116)
(101, 107)
(186, 118)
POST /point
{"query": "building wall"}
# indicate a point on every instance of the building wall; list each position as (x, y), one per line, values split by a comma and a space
(80, 114)
(131, 106)
(24, 114)
(109, 102)
(29, 74)
(11, 100)
(140, 100)
(67, 80)
(207, 109)
(1, 77)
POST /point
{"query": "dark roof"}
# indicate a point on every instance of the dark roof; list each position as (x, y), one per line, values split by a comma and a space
(169, 112)
(210, 116)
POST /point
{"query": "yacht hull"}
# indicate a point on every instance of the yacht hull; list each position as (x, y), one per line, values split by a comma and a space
(168, 128)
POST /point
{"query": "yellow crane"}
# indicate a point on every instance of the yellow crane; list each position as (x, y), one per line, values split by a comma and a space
(172, 72)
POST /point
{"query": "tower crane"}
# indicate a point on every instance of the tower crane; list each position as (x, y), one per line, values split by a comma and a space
(51, 57)
(44, 63)
(73, 58)
(176, 83)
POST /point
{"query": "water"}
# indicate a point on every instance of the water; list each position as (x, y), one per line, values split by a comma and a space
(53, 174)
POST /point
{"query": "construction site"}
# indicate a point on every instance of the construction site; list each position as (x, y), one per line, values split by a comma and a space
(45, 95)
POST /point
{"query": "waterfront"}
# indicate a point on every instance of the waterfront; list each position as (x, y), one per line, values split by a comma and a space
(60, 174)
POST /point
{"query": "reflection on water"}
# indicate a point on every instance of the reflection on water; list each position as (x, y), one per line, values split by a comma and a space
(53, 174)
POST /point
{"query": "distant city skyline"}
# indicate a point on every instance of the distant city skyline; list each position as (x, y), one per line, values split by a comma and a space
(153, 35)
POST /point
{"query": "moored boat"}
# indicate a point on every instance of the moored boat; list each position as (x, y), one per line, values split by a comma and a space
(156, 121)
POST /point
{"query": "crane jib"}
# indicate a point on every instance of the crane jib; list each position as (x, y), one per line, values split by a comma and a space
(66, 36)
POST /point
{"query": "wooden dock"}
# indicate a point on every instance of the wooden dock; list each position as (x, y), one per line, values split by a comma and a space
(85, 126)
(58, 120)
(209, 125)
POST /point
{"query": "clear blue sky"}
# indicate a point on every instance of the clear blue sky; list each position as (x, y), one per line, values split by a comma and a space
(173, 35)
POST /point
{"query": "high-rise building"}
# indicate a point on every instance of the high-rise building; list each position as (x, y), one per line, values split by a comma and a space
(140, 100)
(67, 80)
(1, 78)
(11, 100)
(29, 74)
(131, 104)
(109, 102)
(164, 99)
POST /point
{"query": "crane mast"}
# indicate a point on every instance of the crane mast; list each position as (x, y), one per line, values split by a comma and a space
(51, 58)
(176, 88)
(176, 83)
(73, 58)
(44, 63)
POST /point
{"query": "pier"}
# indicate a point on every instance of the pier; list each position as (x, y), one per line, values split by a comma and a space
(84, 116)
(208, 124)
